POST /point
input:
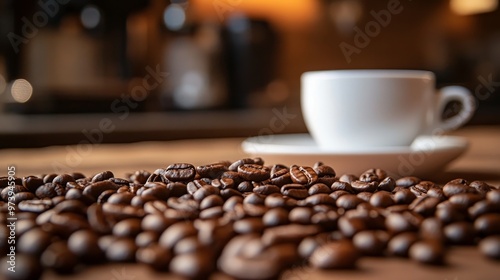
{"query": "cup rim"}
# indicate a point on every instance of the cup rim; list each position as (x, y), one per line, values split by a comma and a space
(370, 73)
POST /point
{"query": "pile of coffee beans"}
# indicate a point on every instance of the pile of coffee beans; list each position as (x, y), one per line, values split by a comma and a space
(244, 218)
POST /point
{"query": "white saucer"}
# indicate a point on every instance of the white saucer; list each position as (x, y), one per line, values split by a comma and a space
(426, 156)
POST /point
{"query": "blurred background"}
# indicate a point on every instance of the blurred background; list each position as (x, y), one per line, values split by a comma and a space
(83, 71)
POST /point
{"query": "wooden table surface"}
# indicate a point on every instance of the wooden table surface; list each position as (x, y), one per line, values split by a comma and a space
(480, 162)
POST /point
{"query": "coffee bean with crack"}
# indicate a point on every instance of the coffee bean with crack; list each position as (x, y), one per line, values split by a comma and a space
(180, 172)
(254, 172)
(303, 175)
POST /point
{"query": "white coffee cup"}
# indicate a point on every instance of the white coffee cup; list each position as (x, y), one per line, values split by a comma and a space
(362, 109)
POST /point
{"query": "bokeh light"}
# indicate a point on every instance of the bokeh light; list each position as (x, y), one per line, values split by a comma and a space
(90, 16)
(21, 90)
(174, 17)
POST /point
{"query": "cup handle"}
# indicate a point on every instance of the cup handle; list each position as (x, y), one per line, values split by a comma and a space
(446, 95)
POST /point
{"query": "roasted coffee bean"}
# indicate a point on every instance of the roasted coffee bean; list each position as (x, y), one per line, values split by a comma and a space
(97, 220)
(459, 233)
(34, 242)
(233, 175)
(348, 201)
(490, 246)
(48, 178)
(146, 238)
(254, 198)
(336, 194)
(493, 196)
(105, 195)
(386, 184)
(58, 257)
(450, 213)
(371, 242)
(84, 244)
(301, 215)
(319, 188)
(32, 183)
(101, 176)
(427, 251)
(436, 192)
(488, 224)
(231, 202)
(311, 243)
(227, 193)
(465, 199)
(296, 191)
(327, 220)
(21, 196)
(177, 189)
(157, 176)
(63, 179)
(400, 244)
(348, 178)
(175, 233)
(303, 175)
(350, 226)
(120, 198)
(275, 217)
(213, 212)
(71, 206)
(212, 171)
(365, 196)
(319, 199)
(281, 176)
(404, 196)
(360, 186)
(291, 233)
(156, 222)
(245, 186)
(254, 172)
(335, 255)
(225, 183)
(249, 225)
(254, 210)
(424, 205)
(481, 187)
(234, 166)
(127, 228)
(159, 192)
(277, 200)
(432, 228)
(35, 205)
(27, 267)
(121, 212)
(65, 224)
(402, 222)
(266, 189)
(49, 190)
(368, 176)
(451, 189)
(342, 186)
(121, 250)
(381, 199)
(211, 201)
(205, 191)
(323, 170)
(189, 205)
(407, 182)
(180, 172)
(94, 190)
(155, 256)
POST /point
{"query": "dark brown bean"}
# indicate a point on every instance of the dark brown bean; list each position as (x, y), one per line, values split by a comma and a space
(360, 186)
(288, 233)
(386, 184)
(335, 255)
(121, 250)
(180, 172)
(275, 217)
(342, 186)
(490, 246)
(176, 232)
(404, 196)
(319, 188)
(212, 171)
(428, 252)
(58, 257)
(84, 244)
(319, 199)
(205, 191)
(402, 222)
(266, 189)
(254, 172)
(94, 190)
(459, 233)
(493, 196)
(296, 191)
(127, 228)
(350, 226)
(432, 229)
(451, 189)
(371, 242)
(34, 242)
(381, 199)
(304, 175)
(146, 238)
(348, 201)
(249, 225)
(424, 205)
(300, 215)
(155, 256)
(408, 181)
(400, 244)
(488, 224)
(105, 175)
(32, 183)
(348, 178)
